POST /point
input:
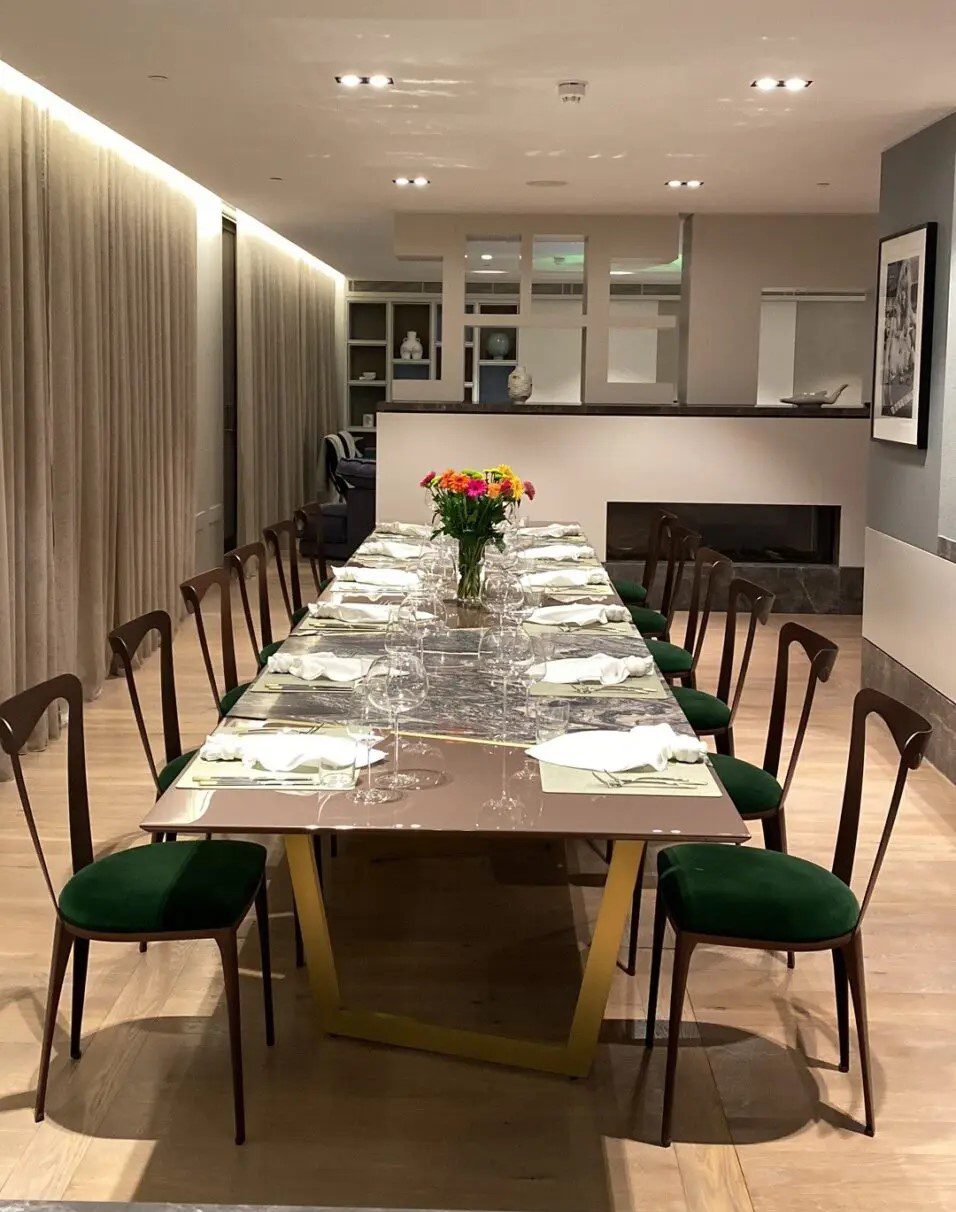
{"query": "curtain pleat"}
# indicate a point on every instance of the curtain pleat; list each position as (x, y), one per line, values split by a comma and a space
(287, 377)
(97, 396)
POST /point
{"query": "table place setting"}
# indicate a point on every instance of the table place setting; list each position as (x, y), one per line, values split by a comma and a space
(597, 676)
(292, 759)
(347, 616)
(391, 549)
(378, 578)
(595, 580)
(313, 671)
(649, 759)
(559, 553)
(573, 617)
(407, 530)
(553, 530)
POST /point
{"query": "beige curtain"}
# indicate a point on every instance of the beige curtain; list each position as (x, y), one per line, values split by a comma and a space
(27, 615)
(288, 387)
(97, 396)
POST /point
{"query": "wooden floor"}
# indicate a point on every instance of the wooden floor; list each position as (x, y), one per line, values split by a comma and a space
(486, 934)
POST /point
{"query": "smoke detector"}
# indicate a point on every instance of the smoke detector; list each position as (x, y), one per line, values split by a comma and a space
(572, 91)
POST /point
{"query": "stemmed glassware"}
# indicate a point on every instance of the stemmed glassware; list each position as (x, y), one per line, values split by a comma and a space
(361, 727)
(397, 684)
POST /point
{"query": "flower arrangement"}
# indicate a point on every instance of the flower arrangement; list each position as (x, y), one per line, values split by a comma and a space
(472, 506)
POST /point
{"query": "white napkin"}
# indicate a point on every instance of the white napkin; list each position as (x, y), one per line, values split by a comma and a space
(410, 530)
(650, 745)
(554, 530)
(608, 670)
(559, 551)
(351, 612)
(286, 750)
(581, 616)
(314, 665)
(564, 577)
(391, 578)
(391, 548)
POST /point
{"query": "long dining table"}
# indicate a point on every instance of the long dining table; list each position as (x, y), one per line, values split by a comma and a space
(475, 749)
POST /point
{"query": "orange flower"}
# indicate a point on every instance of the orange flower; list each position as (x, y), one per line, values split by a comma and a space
(459, 482)
(494, 490)
(444, 480)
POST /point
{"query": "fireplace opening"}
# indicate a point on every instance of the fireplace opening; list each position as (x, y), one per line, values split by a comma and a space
(747, 534)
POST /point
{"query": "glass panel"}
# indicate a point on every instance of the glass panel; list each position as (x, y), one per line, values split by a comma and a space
(558, 273)
(643, 334)
(552, 356)
(493, 263)
(812, 345)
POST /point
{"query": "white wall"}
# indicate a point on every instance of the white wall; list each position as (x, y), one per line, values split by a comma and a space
(209, 519)
(632, 352)
(580, 463)
(778, 335)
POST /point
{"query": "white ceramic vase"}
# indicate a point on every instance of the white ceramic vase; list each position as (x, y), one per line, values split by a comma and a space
(411, 347)
(519, 384)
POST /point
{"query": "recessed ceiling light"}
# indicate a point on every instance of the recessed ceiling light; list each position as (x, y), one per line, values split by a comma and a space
(275, 178)
(380, 81)
(675, 184)
(401, 181)
(349, 80)
(793, 84)
(420, 181)
(352, 80)
(487, 257)
(693, 183)
(487, 271)
(621, 273)
(157, 76)
(545, 184)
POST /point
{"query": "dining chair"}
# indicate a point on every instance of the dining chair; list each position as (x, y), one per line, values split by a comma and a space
(713, 571)
(739, 896)
(307, 520)
(238, 562)
(680, 546)
(289, 586)
(194, 590)
(634, 593)
(714, 714)
(176, 891)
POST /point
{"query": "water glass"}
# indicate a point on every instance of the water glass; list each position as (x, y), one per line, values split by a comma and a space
(336, 775)
(551, 720)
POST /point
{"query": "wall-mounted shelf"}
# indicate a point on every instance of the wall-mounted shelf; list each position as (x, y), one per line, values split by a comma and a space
(412, 361)
(367, 383)
(497, 362)
(361, 341)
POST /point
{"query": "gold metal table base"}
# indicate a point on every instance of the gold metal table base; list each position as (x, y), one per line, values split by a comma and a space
(572, 1058)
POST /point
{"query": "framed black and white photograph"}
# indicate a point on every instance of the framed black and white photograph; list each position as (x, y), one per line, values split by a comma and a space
(904, 330)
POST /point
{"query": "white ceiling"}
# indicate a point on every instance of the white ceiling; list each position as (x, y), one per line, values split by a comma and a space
(251, 95)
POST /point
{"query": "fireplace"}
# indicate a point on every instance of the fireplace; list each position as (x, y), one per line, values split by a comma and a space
(747, 534)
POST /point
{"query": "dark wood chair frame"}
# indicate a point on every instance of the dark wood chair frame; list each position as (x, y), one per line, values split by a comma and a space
(680, 545)
(911, 733)
(194, 590)
(18, 718)
(713, 572)
(290, 586)
(656, 546)
(237, 562)
(310, 516)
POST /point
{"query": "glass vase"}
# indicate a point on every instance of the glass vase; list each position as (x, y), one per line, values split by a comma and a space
(471, 557)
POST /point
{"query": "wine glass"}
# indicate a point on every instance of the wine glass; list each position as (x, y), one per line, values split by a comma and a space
(502, 594)
(360, 726)
(403, 631)
(397, 684)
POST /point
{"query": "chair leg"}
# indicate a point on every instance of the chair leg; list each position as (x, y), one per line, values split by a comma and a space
(297, 931)
(842, 1008)
(230, 975)
(62, 945)
(775, 838)
(631, 967)
(683, 950)
(81, 959)
(265, 959)
(724, 742)
(609, 851)
(853, 957)
(657, 948)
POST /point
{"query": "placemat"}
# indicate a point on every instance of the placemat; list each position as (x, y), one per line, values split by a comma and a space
(647, 687)
(564, 780)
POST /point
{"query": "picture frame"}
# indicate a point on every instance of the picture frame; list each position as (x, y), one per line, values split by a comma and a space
(903, 337)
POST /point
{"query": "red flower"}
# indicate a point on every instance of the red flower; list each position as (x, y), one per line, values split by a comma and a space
(426, 480)
(476, 487)
(529, 490)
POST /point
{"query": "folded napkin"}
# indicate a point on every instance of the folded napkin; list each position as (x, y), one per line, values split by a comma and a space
(286, 750)
(581, 616)
(608, 670)
(559, 551)
(351, 612)
(391, 548)
(409, 530)
(554, 530)
(314, 665)
(391, 578)
(564, 577)
(647, 745)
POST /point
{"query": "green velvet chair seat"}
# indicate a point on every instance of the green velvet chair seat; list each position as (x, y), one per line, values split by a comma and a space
(705, 712)
(647, 621)
(299, 615)
(231, 697)
(270, 650)
(167, 887)
(670, 658)
(738, 892)
(631, 593)
(753, 790)
(172, 770)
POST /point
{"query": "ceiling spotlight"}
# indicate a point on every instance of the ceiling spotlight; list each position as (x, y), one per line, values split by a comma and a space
(766, 84)
(796, 84)
(675, 184)
(380, 81)
(420, 181)
(401, 181)
(622, 273)
(350, 80)
(692, 184)
(487, 257)
(793, 84)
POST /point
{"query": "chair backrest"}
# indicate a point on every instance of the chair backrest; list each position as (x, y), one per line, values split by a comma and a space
(911, 734)
(290, 586)
(682, 544)
(237, 562)
(822, 655)
(308, 525)
(125, 641)
(351, 446)
(658, 538)
(194, 589)
(758, 602)
(18, 718)
(713, 572)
